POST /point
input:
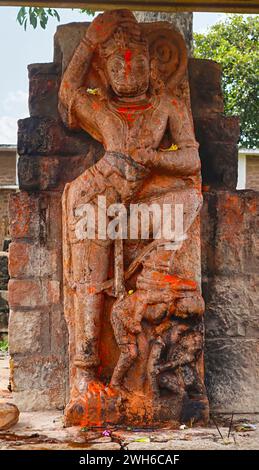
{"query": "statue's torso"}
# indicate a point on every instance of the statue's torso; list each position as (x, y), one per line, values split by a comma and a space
(124, 128)
(127, 126)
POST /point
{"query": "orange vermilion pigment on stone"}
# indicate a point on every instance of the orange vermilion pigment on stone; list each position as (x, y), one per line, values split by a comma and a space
(129, 110)
(127, 58)
(96, 106)
(176, 281)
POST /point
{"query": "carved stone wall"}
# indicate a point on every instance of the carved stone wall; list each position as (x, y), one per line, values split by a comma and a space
(230, 261)
(230, 257)
(50, 155)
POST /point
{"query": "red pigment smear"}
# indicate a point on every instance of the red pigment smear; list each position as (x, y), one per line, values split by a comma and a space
(175, 281)
(96, 106)
(127, 58)
(91, 290)
(129, 110)
(178, 282)
(97, 26)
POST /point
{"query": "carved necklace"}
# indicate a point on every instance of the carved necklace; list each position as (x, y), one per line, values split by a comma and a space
(132, 117)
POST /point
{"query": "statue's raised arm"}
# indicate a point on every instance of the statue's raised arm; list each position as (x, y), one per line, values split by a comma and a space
(75, 98)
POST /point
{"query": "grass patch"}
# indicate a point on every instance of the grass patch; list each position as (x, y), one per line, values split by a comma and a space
(3, 345)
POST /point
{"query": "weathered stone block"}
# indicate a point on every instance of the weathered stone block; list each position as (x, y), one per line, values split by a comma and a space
(53, 292)
(27, 260)
(29, 332)
(43, 373)
(230, 264)
(232, 374)
(217, 134)
(47, 173)
(45, 136)
(38, 173)
(205, 87)
(33, 293)
(58, 332)
(230, 227)
(43, 89)
(24, 215)
(219, 164)
(44, 378)
(20, 263)
(217, 128)
(66, 40)
(232, 306)
(54, 224)
(35, 400)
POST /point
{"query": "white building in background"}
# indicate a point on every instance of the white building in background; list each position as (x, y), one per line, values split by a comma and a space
(8, 185)
(248, 169)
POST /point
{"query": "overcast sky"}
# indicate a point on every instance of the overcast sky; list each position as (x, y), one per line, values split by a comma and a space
(19, 48)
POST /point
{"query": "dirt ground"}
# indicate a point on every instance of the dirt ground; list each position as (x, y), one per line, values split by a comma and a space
(45, 431)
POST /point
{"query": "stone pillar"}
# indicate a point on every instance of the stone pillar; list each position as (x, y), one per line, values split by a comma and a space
(216, 133)
(230, 262)
(230, 222)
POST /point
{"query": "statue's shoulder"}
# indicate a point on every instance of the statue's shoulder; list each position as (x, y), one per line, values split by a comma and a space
(172, 102)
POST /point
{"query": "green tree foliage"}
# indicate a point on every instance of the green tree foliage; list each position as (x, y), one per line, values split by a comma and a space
(35, 16)
(39, 16)
(234, 43)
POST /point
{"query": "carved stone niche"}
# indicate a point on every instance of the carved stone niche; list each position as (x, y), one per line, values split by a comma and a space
(133, 306)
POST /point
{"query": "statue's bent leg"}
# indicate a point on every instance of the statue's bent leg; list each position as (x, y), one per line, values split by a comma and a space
(125, 338)
(128, 355)
(88, 303)
(88, 393)
(87, 267)
(152, 365)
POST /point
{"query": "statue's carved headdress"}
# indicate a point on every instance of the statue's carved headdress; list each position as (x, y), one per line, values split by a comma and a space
(163, 44)
(123, 38)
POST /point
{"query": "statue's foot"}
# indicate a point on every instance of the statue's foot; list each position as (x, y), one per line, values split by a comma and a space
(91, 404)
(117, 388)
(75, 412)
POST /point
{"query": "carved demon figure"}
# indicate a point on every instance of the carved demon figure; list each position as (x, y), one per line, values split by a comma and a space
(126, 86)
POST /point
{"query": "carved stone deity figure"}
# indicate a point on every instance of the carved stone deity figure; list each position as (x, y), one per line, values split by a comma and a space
(133, 306)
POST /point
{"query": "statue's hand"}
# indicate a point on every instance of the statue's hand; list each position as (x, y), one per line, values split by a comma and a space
(105, 24)
(100, 29)
(144, 156)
